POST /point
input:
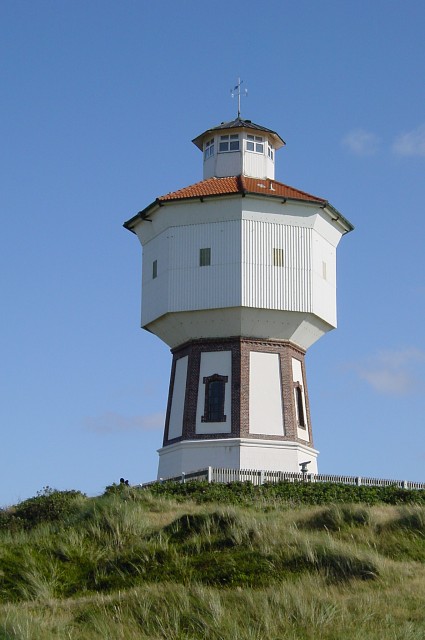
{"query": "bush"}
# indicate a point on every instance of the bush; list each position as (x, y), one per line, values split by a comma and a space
(309, 493)
(49, 505)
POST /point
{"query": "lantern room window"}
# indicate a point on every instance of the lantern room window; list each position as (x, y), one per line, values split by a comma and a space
(270, 151)
(255, 143)
(209, 149)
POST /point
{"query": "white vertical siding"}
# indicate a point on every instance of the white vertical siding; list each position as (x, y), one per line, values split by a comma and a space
(209, 287)
(175, 428)
(242, 273)
(267, 286)
(255, 165)
(265, 394)
(182, 284)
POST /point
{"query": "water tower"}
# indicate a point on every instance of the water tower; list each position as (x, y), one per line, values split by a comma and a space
(239, 279)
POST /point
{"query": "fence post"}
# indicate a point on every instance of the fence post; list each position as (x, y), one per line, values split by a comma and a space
(358, 481)
(405, 484)
(209, 476)
(262, 476)
(183, 477)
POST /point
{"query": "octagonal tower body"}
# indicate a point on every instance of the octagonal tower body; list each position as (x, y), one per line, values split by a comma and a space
(239, 279)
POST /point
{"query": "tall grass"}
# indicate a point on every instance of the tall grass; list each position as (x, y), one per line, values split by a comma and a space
(307, 608)
(128, 565)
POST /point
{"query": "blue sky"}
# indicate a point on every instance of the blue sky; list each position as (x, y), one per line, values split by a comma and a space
(100, 102)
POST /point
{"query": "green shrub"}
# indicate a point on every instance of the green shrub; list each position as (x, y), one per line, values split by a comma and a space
(309, 493)
(48, 505)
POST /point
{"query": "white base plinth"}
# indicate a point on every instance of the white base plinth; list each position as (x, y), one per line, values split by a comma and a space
(234, 453)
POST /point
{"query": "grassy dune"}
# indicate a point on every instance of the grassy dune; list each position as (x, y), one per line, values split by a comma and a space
(234, 562)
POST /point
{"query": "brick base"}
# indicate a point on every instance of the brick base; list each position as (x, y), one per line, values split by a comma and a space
(240, 349)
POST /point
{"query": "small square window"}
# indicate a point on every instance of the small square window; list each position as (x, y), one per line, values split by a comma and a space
(154, 268)
(205, 257)
(278, 258)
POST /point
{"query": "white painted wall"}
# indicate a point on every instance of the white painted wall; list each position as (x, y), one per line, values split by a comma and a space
(182, 284)
(265, 394)
(155, 290)
(175, 427)
(258, 165)
(214, 286)
(276, 456)
(193, 455)
(242, 280)
(223, 164)
(212, 362)
(234, 453)
(324, 278)
(297, 376)
(181, 213)
(301, 329)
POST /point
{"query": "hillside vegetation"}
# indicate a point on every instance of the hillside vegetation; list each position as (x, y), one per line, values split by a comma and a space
(187, 562)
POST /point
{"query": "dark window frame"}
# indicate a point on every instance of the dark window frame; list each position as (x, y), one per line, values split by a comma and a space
(214, 404)
(298, 392)
(205, 257)
(154, 269)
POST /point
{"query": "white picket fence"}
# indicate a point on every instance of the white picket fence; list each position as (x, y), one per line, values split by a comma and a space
(258, 477)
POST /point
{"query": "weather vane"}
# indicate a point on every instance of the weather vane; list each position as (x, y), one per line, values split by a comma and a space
(237, 91)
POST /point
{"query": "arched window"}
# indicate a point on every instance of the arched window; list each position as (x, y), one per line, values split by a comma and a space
(215, 390)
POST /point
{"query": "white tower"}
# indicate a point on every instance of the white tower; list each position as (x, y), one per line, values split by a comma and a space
(239, 279)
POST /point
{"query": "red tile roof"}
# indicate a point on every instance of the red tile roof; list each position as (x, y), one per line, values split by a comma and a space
(242, 185)
(215, 187)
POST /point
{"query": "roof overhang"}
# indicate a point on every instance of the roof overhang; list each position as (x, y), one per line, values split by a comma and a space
(236, 125)
(330, 210)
